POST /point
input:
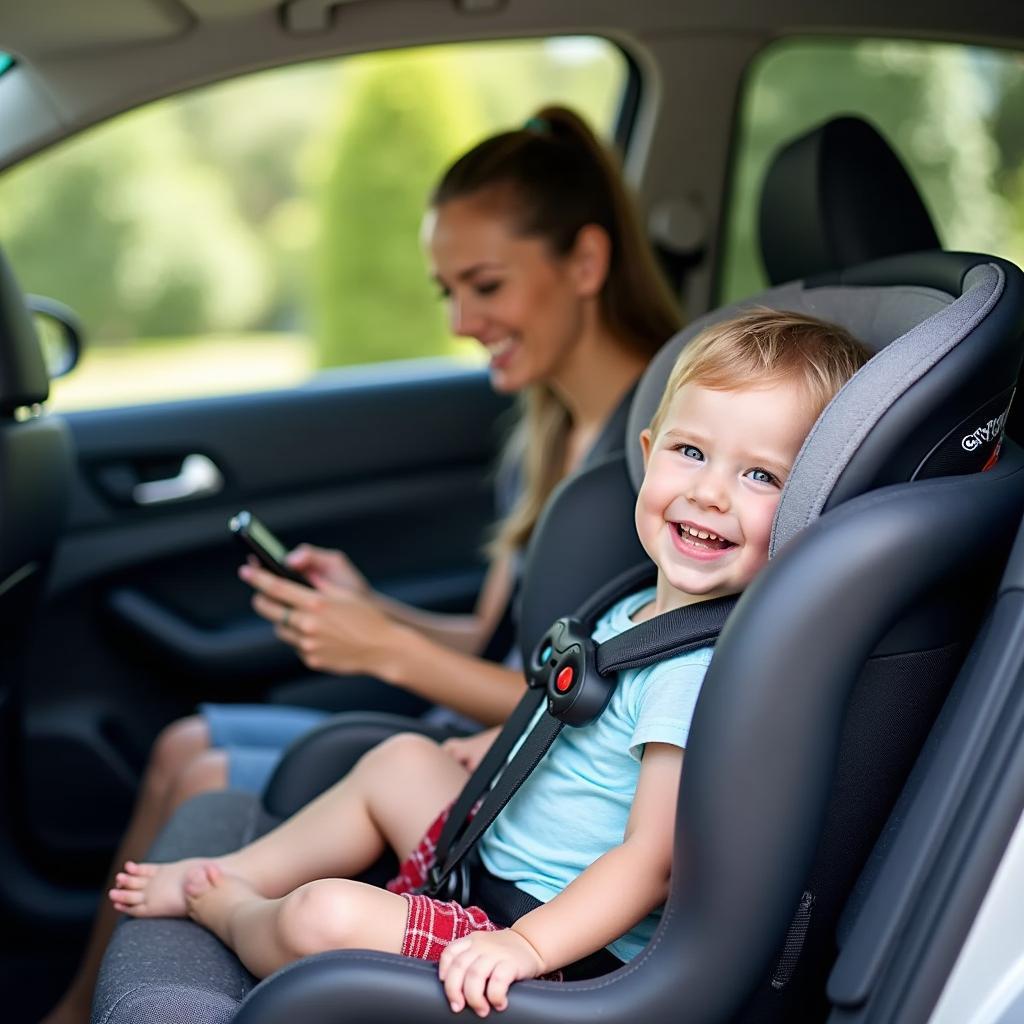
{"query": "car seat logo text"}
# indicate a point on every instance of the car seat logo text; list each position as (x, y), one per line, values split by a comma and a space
(989, 432)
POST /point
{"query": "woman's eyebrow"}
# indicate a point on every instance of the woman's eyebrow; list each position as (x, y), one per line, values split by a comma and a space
(472, 271)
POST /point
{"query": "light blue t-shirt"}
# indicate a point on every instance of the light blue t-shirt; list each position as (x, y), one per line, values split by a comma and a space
(575, 805)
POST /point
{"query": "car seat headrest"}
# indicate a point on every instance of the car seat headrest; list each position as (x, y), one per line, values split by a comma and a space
(23, 377)
(836, 197)
(931, 402)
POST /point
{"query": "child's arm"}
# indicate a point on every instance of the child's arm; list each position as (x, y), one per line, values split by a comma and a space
(605, 901)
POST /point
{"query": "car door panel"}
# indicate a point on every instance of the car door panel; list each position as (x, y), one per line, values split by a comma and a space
(392, 466)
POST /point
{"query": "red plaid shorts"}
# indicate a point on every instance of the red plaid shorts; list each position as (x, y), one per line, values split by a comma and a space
(432, 924)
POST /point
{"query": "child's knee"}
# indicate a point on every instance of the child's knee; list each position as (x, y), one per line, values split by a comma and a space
(319, 916)
(407, 752)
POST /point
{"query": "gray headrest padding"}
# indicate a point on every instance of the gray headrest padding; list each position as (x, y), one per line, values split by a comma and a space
(910, 328)
(858, 406)
(873, 315)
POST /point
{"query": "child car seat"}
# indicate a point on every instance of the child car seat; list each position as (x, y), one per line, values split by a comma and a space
(861, 596)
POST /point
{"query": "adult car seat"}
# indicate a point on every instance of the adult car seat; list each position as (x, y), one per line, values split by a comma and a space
(35, 475)
(839, 654)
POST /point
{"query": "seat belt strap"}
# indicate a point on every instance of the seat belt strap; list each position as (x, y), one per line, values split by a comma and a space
(672, 633)
(515, 725)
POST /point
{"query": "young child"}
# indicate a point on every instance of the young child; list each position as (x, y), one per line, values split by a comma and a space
(588, 834)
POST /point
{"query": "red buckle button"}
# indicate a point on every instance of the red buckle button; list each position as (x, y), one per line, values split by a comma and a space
(563, 681)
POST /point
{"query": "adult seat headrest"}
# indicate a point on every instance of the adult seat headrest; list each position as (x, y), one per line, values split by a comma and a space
(23, 377)
(932, 401)
(836, 197)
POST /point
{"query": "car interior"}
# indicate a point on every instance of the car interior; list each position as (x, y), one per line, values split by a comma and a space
(854, 779)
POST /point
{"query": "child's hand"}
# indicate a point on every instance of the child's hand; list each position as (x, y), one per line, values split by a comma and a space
(478, 969)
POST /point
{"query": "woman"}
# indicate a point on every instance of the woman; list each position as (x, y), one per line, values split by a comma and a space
(539, 255)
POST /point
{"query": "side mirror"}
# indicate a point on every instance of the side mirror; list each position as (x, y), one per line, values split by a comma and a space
(59, 331)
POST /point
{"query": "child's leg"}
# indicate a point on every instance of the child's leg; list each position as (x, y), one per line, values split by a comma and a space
(388, 800)
(267, 933)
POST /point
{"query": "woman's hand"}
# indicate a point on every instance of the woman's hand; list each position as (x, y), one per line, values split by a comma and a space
(322, 565)
(478, 969)
(469, 750)
(332, 628)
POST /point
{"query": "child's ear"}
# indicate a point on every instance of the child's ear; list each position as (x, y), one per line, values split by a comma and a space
(591, 257)
(645, 445)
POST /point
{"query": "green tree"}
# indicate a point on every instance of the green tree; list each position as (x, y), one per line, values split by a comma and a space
(130, 228)
(404, 117)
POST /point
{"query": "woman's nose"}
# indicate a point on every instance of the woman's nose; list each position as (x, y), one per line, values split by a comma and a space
(463, 318)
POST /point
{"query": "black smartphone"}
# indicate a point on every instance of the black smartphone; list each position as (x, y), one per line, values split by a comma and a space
(259, 541)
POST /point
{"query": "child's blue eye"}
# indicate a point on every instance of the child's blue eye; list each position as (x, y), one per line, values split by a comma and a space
(692, 452)
(762, 476)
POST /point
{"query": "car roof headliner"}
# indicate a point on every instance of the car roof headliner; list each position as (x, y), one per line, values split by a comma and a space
(83, 62)
(63, 27)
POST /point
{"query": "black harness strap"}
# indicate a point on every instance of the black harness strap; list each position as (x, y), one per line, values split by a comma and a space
(566, 652)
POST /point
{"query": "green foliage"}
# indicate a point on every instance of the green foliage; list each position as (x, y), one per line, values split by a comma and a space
(202, 213)
(126, 226)
(372, 298)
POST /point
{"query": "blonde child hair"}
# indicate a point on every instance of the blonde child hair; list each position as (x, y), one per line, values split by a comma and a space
(767, 345)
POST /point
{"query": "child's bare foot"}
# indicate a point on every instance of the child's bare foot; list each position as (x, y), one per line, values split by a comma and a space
(212, 895)
(152, 890)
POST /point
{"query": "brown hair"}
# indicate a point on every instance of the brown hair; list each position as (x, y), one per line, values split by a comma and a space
(762, 347)
(555, 178)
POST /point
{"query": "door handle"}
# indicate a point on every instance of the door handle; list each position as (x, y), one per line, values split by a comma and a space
(198, 477)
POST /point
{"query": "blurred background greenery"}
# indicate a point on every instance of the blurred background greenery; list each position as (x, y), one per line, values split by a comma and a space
(245, 234)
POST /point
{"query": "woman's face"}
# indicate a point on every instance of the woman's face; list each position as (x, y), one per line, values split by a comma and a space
(524, 304)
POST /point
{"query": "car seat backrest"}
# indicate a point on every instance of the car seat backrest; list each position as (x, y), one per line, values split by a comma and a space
(837, 197)
(23, 379)
(35, 468)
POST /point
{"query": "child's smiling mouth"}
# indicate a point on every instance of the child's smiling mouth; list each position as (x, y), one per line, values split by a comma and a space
(699, 542)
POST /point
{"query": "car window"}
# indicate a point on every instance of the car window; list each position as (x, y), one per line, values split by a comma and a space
(245, 235)
(954, 114)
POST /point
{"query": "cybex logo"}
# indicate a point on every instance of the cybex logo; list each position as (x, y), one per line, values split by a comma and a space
(989, 432)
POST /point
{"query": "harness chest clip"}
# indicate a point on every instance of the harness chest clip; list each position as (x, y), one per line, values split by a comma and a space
(563, 663)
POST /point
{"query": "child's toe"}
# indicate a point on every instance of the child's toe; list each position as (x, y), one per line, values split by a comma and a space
(141, 870)
(125, 881)
(128, 897)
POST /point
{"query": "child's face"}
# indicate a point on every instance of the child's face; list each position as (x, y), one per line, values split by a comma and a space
(713, 477)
